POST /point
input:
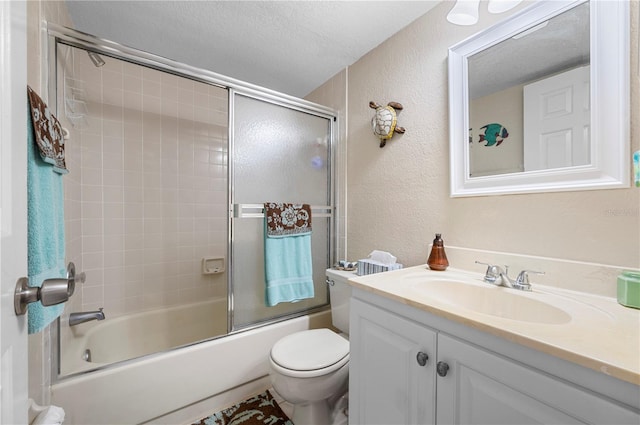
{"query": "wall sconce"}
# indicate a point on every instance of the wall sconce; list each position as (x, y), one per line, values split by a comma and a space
(465, 12)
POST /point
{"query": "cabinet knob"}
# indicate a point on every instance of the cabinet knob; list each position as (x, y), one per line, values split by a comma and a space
(422, 358)
(442, 368)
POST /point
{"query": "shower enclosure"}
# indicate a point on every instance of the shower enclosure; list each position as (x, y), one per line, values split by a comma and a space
(169, 168)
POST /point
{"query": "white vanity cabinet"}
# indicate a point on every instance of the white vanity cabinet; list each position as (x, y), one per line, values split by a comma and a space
(391, 368)
(461, 382)
(482, 387)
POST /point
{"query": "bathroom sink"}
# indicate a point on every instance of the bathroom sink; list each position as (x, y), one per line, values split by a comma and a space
(490, 300)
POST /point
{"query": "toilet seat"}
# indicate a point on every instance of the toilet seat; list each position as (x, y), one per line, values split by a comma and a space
(311, 353)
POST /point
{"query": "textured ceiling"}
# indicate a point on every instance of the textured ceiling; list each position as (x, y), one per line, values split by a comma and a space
(288, 46)
(558, 44)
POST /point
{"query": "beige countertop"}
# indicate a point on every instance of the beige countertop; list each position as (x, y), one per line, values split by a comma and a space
(593, 331)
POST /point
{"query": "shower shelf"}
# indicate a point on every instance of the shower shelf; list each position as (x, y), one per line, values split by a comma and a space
(257, 211)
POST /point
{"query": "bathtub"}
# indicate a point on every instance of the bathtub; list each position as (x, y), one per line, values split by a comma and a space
(195, 379)
(95, 344)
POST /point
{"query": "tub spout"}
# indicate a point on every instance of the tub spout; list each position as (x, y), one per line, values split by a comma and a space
(85, 316)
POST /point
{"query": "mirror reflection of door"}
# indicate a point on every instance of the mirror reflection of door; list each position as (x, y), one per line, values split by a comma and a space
(500, 128)
(556, 121)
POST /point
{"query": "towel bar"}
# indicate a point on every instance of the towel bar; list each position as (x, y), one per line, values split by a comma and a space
(257, 211)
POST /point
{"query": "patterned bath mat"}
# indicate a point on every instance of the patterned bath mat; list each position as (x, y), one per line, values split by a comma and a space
(259, 410)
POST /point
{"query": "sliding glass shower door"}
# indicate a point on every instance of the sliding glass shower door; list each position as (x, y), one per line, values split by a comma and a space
(280, 154)
(152, 174)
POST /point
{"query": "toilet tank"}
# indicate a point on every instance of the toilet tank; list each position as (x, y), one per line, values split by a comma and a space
(340, 293)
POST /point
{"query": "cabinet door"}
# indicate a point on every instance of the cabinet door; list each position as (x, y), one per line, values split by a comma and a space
(387, 383)
(483, 388)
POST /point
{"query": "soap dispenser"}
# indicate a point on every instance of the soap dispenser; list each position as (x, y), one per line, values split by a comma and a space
(438, 258)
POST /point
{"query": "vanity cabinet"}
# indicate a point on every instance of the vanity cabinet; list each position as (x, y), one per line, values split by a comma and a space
(460, 382)
(482, 387)
(391, 368)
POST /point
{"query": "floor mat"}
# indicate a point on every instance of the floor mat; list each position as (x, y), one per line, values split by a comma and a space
(258, 410)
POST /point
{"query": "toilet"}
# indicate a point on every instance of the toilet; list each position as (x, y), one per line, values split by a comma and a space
(310, 369)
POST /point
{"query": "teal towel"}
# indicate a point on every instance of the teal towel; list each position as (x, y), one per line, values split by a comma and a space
(287, 252)
(288, 268)
(45, 230)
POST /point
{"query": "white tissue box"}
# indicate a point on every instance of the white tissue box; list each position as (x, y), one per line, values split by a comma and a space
(368, 266)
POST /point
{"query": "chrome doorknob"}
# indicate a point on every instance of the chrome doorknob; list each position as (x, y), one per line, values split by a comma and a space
(422, 358)
(51, 292)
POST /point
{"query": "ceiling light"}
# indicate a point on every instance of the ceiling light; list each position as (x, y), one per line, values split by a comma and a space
(499, 6)
(464, 12)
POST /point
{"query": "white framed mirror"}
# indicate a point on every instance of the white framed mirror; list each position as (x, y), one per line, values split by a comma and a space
(540, 102)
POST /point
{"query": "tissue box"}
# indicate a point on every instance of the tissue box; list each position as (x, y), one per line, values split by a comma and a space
(368, 266)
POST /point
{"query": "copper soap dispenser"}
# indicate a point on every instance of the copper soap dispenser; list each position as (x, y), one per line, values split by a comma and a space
(438, 258)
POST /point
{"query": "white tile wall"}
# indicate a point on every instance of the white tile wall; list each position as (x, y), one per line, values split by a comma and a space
(147, 193)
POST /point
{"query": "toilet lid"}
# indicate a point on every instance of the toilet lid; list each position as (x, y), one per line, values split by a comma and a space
(310, 350)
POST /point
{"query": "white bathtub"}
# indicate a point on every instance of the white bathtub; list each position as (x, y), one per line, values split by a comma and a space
(135, 335)
(150, 387)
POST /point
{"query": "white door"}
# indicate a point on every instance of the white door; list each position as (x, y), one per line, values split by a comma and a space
(556, 121)
(13, 209)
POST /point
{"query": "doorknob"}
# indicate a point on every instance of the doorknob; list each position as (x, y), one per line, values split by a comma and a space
(51, 292)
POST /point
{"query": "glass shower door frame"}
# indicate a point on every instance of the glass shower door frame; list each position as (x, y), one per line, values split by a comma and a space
(255, 211)
(55, 33)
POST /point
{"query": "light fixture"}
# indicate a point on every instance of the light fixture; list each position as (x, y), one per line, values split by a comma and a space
(464, 12)
(499, 6)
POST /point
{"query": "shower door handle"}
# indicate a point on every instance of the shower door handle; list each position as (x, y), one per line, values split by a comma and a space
(51, 292)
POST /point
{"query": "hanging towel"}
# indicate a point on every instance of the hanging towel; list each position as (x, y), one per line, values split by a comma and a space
(287, 253)
(45, 230)
(47, 132)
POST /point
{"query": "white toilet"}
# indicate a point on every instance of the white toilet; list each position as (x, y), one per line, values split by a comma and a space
(310, 369)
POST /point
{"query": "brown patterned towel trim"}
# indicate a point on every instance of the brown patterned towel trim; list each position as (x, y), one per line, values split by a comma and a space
(48, 132)
(259, 410)
(287, 219)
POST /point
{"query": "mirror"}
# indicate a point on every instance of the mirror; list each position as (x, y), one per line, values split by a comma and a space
(540, 101)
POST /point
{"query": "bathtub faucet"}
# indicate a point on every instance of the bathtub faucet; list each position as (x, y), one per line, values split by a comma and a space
(85, 316)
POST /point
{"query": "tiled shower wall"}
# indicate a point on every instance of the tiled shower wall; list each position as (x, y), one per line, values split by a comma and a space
(147, 191)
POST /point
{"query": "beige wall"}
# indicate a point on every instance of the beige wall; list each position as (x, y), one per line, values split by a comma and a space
(398, 196)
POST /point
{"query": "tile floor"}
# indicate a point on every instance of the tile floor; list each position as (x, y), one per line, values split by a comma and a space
(340, 411)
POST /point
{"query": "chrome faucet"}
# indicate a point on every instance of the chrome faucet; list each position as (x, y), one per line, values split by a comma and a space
(85, 316)
(496, 276)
